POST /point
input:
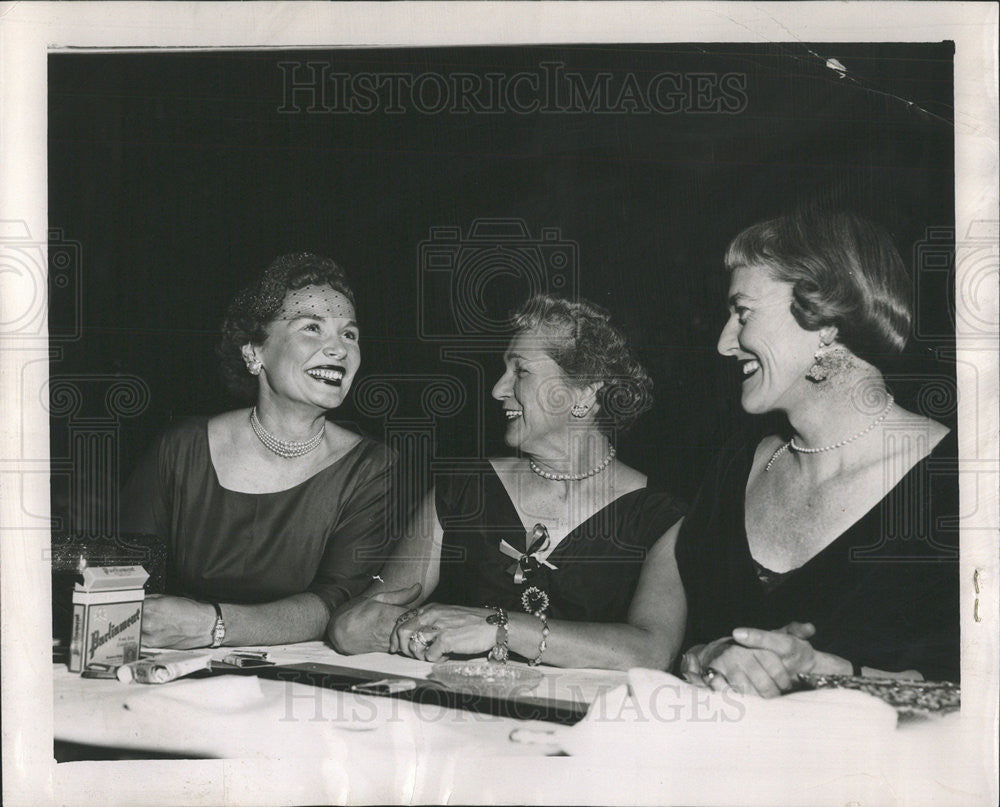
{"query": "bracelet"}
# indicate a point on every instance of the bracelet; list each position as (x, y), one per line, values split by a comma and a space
(501, 650)
(541, 645)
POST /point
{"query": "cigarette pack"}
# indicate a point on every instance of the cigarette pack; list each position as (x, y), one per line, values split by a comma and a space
(107, 616)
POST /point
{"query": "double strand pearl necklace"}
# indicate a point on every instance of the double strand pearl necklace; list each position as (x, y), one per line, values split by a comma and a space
(791, 444)
(284, 448)
(573, 477)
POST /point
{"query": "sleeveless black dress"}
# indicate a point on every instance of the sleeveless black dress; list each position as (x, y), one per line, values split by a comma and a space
(597, 565)
(884, 594)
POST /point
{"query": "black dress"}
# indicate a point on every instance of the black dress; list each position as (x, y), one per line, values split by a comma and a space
(325, 535)
(597, 564)
(884, 594)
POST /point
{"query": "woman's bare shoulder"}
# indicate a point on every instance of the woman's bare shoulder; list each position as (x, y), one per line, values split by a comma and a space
(628, 478)
(923, 432)
(507, 465)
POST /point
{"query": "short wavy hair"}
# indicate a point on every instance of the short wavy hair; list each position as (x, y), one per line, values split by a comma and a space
(590, 349)
(844, 270)
(255, 307)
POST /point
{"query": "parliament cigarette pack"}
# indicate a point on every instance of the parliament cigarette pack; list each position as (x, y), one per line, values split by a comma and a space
(107, 616)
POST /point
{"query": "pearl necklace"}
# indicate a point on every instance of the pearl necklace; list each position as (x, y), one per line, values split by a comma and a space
(284, 448)
(573, 477)
(791, 444)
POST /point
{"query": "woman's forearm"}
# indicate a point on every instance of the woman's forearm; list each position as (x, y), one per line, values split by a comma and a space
(610, 646)
(299, 618)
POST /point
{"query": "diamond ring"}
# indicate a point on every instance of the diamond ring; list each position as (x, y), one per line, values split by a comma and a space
(711, 674)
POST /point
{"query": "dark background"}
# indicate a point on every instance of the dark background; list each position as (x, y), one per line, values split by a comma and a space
(174, 179)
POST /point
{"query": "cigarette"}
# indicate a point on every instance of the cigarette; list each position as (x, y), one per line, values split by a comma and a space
(389, 686)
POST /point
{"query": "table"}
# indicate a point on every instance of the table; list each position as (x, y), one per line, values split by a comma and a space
(257, 739)
(108, 713)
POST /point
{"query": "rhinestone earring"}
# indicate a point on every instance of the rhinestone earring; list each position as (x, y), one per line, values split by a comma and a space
(818, 371)
(827, 360)
(579, 410)
(254, 365)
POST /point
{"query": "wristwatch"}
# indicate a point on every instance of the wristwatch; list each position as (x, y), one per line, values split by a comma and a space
(219, 628)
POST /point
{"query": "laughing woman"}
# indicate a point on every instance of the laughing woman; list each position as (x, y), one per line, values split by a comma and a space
(268, 512)
(825, 550)
(560, 554)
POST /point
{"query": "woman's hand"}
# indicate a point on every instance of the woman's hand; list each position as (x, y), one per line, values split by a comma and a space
(365, 624)
(764, 662)
(444, 629)
(176, 622)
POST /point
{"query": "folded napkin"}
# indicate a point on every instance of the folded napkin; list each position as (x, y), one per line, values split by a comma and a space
(658, 717)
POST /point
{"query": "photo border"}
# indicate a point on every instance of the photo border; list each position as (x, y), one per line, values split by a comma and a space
(29, 32)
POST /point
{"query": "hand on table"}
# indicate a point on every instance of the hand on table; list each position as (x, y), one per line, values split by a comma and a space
(434, 631)
(763, 662)
(176, 622)
(365, 624)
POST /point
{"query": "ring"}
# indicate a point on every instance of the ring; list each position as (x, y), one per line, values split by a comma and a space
(711, 674)
(419, 639)
(406, 616)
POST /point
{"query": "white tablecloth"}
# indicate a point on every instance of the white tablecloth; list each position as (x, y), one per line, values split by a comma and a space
(243, 716)
(312, 745)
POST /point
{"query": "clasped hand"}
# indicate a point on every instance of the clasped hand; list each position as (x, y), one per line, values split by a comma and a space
(762, 662)
(433, 631)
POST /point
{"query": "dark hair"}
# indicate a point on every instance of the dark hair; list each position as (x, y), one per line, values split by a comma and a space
(589, 349)
(844, 270)
(255, 307)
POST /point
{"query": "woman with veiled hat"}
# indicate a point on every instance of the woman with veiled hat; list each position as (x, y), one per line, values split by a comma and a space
(273, 514)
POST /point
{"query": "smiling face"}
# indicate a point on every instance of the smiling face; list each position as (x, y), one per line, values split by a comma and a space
(311, 353)
(536, 397)
(762, 334)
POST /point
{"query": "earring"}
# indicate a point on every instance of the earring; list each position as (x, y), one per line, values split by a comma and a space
(818, 371)
(828, 361)
(254, 365)
(579, 410)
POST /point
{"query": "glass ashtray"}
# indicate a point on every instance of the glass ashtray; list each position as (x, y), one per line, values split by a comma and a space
(484, 677)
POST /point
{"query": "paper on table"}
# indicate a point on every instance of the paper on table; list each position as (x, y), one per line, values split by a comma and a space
(659, 716)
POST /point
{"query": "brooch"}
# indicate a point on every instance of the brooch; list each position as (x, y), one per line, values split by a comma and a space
(525, 563)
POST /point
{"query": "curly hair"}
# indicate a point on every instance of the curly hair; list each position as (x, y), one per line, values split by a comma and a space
(255, 307)
(844, 270)
(590, 349)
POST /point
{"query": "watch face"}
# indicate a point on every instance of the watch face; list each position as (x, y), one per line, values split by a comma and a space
(218, 632)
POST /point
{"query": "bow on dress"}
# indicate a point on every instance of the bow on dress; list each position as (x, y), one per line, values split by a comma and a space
(525, 563)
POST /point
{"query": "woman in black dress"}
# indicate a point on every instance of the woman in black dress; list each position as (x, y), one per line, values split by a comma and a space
(560, 554)
(828, 549)
(272, 514)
